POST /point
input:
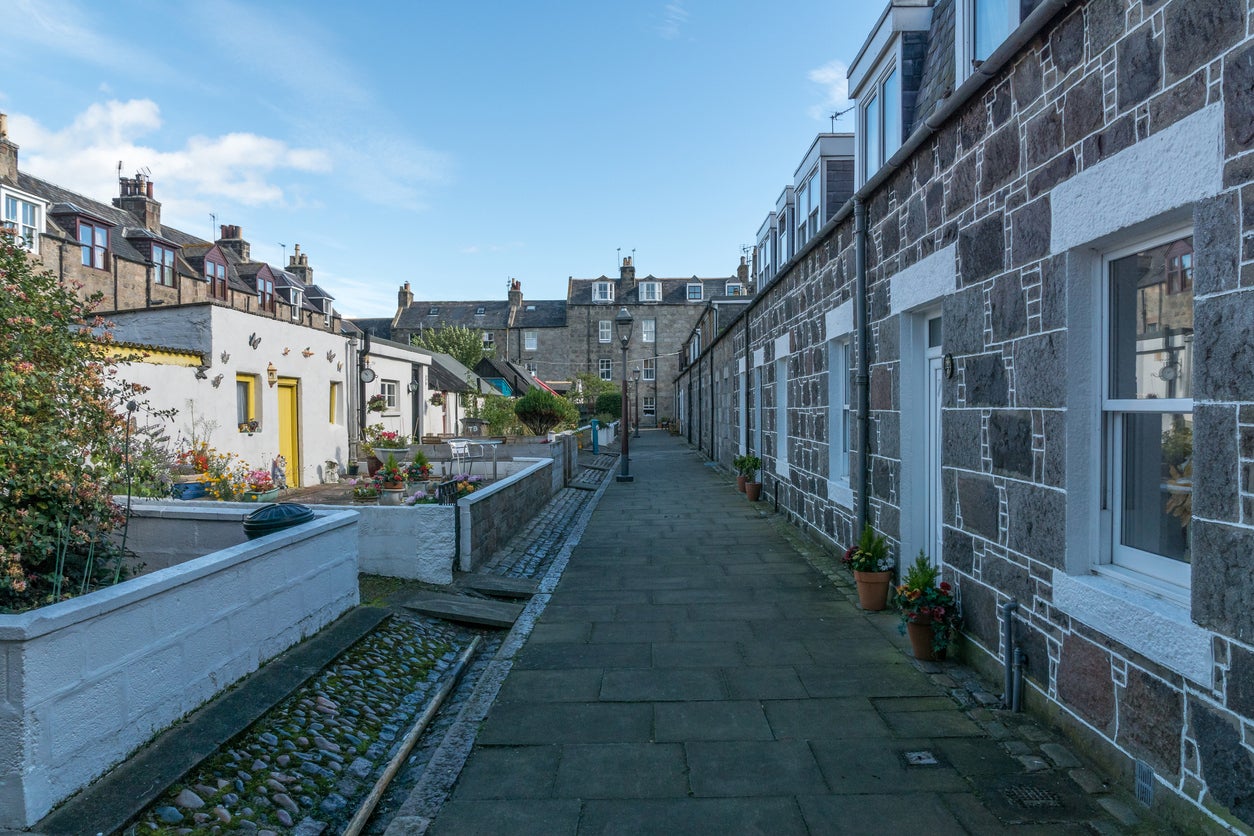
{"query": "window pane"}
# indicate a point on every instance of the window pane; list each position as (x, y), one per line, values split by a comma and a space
(892, 112)
(994, 21)
(871, 137)
(1157, 478)
(1151, 325)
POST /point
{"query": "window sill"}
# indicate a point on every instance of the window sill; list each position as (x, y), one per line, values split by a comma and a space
(1157, 626)
(840, 493)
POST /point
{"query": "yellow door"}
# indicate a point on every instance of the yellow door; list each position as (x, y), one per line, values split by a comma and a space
(289, 428)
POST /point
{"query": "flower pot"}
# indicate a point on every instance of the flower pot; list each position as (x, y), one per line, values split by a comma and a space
(401, 454)
(920, 633)
(391, 496)
(365, 500)
(187, 490)
(753, 490)
(740, 482)
(872, 589)
(188, 478)
(260, 496)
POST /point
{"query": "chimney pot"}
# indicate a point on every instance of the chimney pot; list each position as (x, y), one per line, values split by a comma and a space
(4, 126)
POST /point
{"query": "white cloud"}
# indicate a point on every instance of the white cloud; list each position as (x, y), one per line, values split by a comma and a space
(833, 79)
(674, 17)
(240, 168)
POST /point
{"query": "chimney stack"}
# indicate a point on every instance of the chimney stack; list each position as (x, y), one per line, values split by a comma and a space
(626, 277)
(8, 152)
(742, 272)
(515, 294)
(404, 297)
(298, 266)
(233, 239)
(135, 196)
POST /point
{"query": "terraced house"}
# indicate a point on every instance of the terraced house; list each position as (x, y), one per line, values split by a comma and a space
(1023, 347)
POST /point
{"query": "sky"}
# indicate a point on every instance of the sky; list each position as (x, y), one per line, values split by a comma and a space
(453, 146)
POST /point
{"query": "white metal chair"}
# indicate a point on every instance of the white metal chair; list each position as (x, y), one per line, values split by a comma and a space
(462, 453)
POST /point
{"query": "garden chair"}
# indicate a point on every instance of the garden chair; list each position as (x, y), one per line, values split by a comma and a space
(462, 454)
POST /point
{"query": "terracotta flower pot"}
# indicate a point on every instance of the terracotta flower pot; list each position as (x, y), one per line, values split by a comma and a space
(740, 482)
(920, 633)
(873, 589)
(753, 490)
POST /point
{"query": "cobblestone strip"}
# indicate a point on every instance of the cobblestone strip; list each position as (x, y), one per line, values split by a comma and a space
(568, 513)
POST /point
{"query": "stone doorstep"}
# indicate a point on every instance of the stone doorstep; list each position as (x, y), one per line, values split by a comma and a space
(500, 586)
(122, 793)
(463, 608)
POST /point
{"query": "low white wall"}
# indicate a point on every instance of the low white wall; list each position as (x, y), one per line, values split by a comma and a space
(85, 682)
(418, 542)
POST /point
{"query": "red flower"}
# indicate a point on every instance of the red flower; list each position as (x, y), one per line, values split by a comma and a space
(945, 587)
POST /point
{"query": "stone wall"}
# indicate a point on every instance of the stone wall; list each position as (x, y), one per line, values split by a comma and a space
(1118, 122)
(491, 517)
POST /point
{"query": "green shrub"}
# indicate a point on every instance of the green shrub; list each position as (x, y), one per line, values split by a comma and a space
(611, 403)
(540, 410)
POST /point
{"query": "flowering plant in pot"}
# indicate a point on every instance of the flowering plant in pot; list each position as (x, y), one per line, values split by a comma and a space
(392, 474)
(929, 611)
(872, 569)
(365, 491)
(376, 403)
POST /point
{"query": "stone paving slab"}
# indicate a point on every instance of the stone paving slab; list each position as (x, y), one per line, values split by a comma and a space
(462, 608)
(500, 587)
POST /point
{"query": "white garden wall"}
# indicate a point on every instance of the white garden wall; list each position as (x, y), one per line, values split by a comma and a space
(85, 682)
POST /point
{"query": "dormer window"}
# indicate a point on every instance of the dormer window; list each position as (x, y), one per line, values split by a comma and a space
(650, 291)
(809, 201)
(479, 311)
(980, 27)
(162, 265)
(265, 293)
(94, 241)
(215, 274)
(21, 219)
(735, 289)
(531, 307)
(435, 311)
(694, 292)
(880, 121)
(603, 292)
(295, 303)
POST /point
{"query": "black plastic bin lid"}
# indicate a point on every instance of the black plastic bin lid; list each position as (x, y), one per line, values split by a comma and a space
(275, 517)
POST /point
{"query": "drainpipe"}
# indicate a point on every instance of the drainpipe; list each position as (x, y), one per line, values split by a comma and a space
(1011, 656)
(861, 376)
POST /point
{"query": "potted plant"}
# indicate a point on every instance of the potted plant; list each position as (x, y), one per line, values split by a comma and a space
(437, 399)
(872, 569)
(365, 493)
(388, 443)
(929, 612)
(419, 470)
(259, 487)
(376, 403)
(748, 470)
(745, 467)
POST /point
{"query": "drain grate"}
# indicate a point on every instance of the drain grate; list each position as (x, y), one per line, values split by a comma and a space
(1031, 798)
(1144, 783)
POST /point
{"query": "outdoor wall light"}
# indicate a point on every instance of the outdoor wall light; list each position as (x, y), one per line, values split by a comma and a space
(272, 375)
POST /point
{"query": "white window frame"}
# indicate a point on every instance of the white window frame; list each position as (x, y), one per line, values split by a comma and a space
(531, 367)
(875, 94)
(781, 415)
(606, 368)
(650, 291)
(733, 289)
(531, 340)
(965, 53)
(27, 227)
(648, 330)
(648, 405)
(605, 331)
(489, 341)
(648, 369)
(1145, 569)
(389, 389)
(700, 292)
(839, 411)
(295, 296)
(603, 292)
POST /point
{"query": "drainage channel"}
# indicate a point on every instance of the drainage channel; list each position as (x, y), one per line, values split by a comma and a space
(312, 763)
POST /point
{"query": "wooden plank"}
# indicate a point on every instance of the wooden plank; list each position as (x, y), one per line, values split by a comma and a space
(464, 609)
(501, 587)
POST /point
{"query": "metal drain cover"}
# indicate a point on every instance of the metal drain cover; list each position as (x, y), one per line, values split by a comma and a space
(1031, 798)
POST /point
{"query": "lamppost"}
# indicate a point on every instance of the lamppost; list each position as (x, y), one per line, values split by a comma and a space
(622, 324)
(635, 378)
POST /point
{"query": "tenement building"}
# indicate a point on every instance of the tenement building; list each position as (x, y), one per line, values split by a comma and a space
(1001, 350)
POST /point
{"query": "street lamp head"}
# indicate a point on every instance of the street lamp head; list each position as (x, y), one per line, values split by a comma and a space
(622, 324)
(635, 374)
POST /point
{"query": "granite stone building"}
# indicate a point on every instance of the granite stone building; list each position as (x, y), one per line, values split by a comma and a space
(1023, 347)
(558, 339)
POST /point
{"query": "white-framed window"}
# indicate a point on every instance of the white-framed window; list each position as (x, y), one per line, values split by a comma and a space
(23, 219)
(649, 369)
(782, 251)
(757, 410)
(781, 416)
(606, 368)
(809, 201)
(734, 289)
(648, 405)
(648, 330)
(388, 389)
(532, 367)
(603, 292)
(163, 265)
(605, 331)
(295, 294)
(694, 348)
(531, 340)
(489, 341)
(880, 120)
(980, 27)
(650, 291)
(694, 292)
(1147, 407)
(839, 414)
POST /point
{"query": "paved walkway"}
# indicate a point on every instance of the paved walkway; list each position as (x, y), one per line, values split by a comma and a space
(693, 673)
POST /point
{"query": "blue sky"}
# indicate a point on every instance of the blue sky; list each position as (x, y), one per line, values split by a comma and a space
(451, 145)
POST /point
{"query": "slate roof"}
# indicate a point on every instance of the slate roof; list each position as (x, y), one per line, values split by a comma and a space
(674, 291)
(376, 327)
(545, 313)
(495, 315)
